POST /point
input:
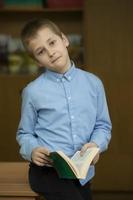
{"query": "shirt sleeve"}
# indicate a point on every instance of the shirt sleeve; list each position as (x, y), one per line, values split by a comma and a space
(102, 130)
(25, 134)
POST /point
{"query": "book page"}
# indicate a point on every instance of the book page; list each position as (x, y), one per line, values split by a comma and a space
(83, 162)
(78, 159)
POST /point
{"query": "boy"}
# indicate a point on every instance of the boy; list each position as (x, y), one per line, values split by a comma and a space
(63, 109)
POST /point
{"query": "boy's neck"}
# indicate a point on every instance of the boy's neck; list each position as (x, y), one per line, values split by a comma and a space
(69, 66)
(65, 70)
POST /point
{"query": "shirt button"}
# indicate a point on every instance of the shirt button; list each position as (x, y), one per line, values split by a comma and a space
(72, 117)
(69, 98)
(74, 136)
(69, 77)
(58, 79)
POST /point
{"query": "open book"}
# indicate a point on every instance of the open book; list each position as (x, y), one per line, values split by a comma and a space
(74, 167)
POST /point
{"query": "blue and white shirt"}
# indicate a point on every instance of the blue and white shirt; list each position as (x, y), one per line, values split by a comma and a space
(63, 112)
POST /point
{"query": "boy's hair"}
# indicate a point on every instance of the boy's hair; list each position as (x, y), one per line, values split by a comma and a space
(31, 28)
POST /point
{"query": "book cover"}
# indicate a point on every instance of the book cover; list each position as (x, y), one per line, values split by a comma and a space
(62, 167)
(75, 167)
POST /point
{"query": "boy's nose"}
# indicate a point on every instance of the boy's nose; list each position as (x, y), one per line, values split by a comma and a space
(50, 52)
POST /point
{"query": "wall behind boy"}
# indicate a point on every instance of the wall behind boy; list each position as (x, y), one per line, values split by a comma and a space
(109, 49)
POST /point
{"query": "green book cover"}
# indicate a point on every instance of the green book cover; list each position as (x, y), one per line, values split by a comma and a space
(75, 167)
(22, 2)
(61, 166)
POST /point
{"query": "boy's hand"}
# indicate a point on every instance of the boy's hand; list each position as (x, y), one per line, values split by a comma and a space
(85, 147)
(40, 156)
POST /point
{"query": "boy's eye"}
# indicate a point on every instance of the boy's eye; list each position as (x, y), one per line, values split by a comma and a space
(52, 42)
(40, 52)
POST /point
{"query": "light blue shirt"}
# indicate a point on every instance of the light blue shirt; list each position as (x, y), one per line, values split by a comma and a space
(63, 112)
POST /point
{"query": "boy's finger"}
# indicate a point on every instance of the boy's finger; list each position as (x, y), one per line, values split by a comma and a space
(44, 151)
(95, 160)
(83, 149)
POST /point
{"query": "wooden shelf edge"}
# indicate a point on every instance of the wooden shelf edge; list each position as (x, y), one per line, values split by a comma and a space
(18, 75)
(35, 9)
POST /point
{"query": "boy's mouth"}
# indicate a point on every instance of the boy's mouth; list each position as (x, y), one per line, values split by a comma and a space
(53, 61)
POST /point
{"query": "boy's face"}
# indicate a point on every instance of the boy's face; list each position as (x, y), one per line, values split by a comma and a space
(50, 50)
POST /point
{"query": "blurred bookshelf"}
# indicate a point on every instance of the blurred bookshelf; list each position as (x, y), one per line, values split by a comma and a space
(13, 15)
(14, 59)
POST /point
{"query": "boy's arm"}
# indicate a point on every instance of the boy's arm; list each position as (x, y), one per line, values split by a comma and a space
(102, 130)
(25, 134)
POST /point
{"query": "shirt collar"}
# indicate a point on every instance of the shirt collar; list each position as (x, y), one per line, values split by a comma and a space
(67, 75)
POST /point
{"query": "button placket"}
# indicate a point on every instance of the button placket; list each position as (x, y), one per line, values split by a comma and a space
(66, 85)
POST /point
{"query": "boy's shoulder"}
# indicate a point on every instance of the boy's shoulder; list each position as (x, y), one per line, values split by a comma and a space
(35, 84)
(91, 77)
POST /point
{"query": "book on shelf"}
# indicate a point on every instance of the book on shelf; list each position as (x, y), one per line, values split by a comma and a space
(75, 167)
(65, 3)
(23, 3)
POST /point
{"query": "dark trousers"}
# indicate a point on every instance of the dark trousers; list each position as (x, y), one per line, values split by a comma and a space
(45, 181)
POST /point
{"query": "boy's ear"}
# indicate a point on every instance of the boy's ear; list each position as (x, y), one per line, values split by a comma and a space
(65, 40)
